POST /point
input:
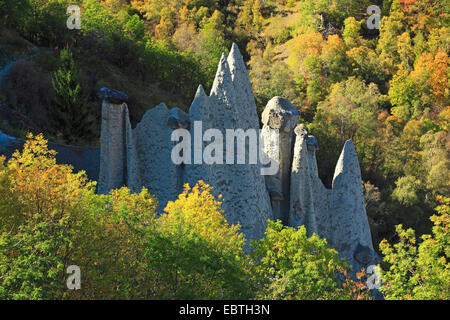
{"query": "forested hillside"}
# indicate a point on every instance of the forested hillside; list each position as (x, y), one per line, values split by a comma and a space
(387, 89)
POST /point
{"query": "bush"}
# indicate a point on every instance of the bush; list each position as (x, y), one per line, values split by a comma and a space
(44, 23)
(419, 271)
(41, 214)
(195, 253)
(289, 265)
(51, 218)
(28, 89)
(12, 12)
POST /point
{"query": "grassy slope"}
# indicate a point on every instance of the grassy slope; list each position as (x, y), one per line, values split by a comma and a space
(26, 90)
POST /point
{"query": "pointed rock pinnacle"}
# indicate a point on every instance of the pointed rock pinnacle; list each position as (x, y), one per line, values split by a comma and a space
(236, 61)
(349, 218)
(245, 101)
(347, 168)
(223, 89)
(199, 109)
(223, 76)
(200, 92)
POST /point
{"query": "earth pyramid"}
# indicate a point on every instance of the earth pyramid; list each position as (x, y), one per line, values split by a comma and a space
(142, 157)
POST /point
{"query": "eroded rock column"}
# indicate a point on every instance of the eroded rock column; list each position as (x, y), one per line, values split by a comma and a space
(279, 120)
(303, 194)
(352, 237)
(113, 151)
(157, 170)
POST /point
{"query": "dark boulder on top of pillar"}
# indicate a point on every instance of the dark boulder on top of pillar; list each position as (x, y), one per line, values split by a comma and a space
(112, 96)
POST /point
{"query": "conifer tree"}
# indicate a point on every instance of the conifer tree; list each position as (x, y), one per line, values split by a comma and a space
(71, 117)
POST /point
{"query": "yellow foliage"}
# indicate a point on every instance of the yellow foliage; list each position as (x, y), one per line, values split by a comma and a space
(439, 76)
(423, 66)
(394, 121)
(185, 14)
(41, 188)
(444, 118)
(308, 44)
(198, 211)
(412, 127)
(164, 29)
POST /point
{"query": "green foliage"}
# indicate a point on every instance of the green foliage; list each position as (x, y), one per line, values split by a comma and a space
(13, 12)
(391, 27)
(349, 112)
(51, 218)
(366, 64)
(419, 271)
(97, 18)
(45, 22)
(406, 191)
(195, 253)
(385, 89)
(212, 44)
(435, 161)
(179, 72)
(335, 59)
(40, 218)
(289, 265)
(134, 27)
(351, 32)
(335, 11)
(71, 116)
(402, 94)
(270, 79)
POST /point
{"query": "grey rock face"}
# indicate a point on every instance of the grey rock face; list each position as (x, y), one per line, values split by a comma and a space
(364, 255)
(279, 119)
(306, 187)
(178, 119)
(113, 150)
(129, 157)
(280, 114)
(153, 145)
(337, 214)
(246, 200)
(246, 114)
(141, 157)
(200, 112)
(312, 143)
(350, 217)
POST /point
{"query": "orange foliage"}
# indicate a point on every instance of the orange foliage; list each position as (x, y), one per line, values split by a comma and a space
(305, 45)
(439, 76)
(383, 115)
(434, 71)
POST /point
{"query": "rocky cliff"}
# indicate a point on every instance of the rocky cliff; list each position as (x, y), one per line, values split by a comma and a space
(141, 157)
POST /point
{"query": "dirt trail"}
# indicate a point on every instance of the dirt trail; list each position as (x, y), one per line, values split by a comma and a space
(5, 70)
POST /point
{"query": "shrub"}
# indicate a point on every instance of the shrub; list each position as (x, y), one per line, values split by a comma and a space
(51, 218)
(41, 213)
(289, 265)
(196, 254)
(419, 271)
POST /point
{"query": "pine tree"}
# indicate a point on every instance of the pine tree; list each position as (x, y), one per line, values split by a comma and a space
(71, 117)
(257, 16)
